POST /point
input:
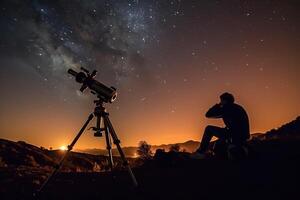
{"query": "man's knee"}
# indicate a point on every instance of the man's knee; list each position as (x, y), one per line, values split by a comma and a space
(210, 128)
(215, 131)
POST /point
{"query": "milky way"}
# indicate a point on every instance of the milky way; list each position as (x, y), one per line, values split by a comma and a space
(102, 35)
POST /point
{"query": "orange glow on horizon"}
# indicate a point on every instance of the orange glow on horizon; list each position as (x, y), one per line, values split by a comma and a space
(63, 148)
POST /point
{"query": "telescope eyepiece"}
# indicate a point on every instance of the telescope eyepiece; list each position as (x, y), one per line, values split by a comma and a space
(72, 72)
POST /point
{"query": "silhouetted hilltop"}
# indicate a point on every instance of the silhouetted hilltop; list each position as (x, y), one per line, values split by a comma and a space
(17, 155)
(289, 130)
(21, 153)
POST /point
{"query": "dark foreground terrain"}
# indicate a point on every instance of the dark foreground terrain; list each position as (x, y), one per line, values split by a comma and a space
(271, 171)
(269, 179)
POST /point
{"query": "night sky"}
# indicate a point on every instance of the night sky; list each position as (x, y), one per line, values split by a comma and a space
(169, 60)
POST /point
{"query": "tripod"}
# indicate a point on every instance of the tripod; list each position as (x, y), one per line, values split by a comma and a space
(101, 115)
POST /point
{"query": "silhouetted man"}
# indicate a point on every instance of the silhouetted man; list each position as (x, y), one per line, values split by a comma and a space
(236, 120)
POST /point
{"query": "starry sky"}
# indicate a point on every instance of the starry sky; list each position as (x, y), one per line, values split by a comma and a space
(169, 60)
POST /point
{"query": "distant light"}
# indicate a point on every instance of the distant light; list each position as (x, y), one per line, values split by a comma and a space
(135, 155)
(63, 148)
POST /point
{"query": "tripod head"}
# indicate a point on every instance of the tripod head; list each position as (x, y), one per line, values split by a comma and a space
(99, 113)
(99, 102)
(87, 79)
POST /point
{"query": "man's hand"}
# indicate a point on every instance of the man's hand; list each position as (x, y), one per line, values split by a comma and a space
(218, 105)
(215, 111)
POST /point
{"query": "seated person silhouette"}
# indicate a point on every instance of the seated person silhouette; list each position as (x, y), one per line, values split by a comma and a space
(234, 117)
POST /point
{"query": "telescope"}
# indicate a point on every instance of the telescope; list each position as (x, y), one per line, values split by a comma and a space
(106, 94)
(103, 123)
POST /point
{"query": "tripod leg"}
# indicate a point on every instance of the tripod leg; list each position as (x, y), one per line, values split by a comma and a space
(108, 145)
(70, 147)
(117, 143)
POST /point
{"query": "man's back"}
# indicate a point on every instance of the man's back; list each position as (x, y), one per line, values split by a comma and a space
(235, 119)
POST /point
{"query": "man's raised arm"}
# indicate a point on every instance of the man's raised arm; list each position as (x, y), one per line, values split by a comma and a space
(214, 112)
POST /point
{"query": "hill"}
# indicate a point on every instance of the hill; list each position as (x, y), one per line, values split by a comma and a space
(20, 155)
(288, 130)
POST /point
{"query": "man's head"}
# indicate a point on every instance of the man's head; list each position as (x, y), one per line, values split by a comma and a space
(226, 98)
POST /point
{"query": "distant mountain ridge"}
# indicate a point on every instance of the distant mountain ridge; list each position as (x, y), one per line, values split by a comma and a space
(188, 146)
(288, 130)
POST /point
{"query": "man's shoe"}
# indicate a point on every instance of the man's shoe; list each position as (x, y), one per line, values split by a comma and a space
(198, 156)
